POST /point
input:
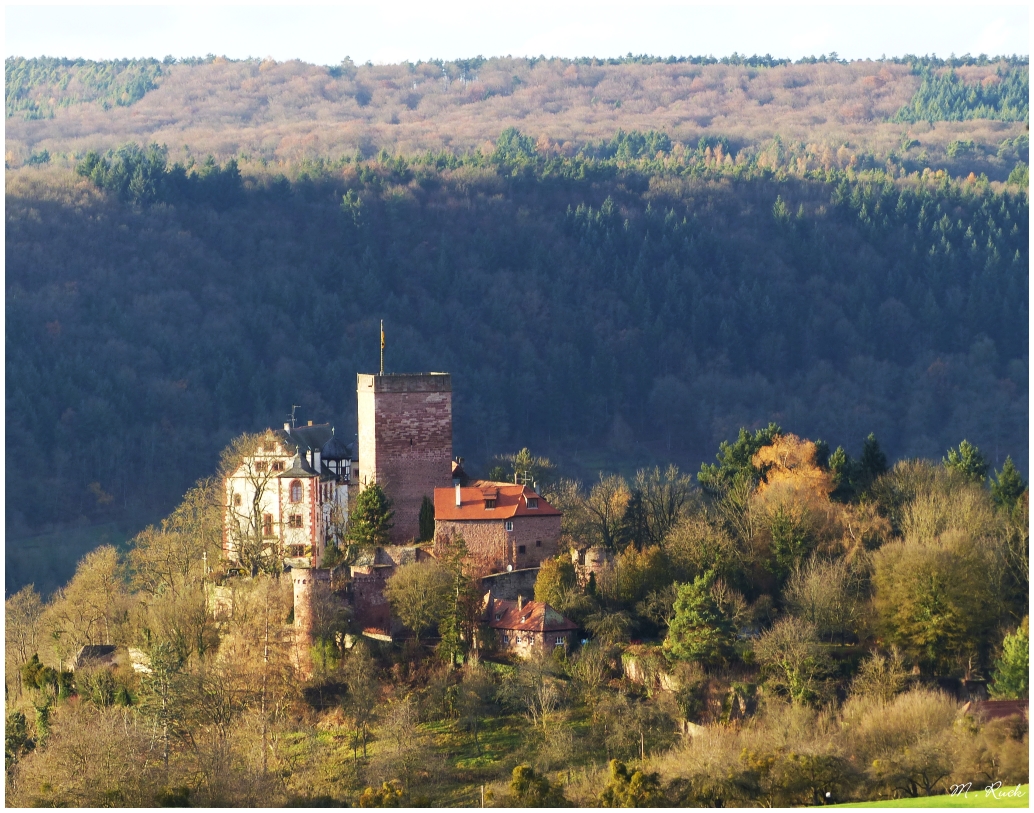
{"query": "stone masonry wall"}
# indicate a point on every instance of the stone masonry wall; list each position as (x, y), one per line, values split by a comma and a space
(491, 547)
(405, 441)
(371, 605)
(511, 585)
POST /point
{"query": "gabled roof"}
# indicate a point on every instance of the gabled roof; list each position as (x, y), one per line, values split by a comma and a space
(99, 654)
(533, 616)
(311, 437)
(997, 709)
(510, 501)
(299, 468)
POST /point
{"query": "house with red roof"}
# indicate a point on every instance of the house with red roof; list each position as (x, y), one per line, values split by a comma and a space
(526, 627)
(505, 526)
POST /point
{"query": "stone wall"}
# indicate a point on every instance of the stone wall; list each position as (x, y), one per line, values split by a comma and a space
(590, 561)
(529, 644)
(368, 599)
(490, 547)
(510, 585)
(405, 441)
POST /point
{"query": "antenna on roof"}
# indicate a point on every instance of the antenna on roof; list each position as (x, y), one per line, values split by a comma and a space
(293, 408)
(382, 347)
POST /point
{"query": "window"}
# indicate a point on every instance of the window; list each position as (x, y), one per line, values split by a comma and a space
(520, 548)
(269, 447)
(296, 491)
(237, 499)
(538, 543)
(297, 550)
(294, 521)
(260, 466)
(278, 465)
(489, 504)
(560, 640)
(508, 525)
(533, 502)
(267, 524)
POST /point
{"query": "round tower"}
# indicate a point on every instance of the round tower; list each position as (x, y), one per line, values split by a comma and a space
(304, 580)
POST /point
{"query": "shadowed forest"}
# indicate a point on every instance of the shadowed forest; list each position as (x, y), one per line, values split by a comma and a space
(618, 294)
(599, 310)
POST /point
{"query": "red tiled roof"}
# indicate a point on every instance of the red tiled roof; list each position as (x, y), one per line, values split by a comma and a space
(996, 709)
(510, 501)
(533, 616)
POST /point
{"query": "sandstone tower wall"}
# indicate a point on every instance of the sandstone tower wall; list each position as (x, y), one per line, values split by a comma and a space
(405, 441)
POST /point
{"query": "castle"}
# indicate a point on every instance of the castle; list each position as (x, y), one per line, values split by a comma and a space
(290, 495)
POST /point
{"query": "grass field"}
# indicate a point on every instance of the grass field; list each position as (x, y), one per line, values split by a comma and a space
(1015, 796)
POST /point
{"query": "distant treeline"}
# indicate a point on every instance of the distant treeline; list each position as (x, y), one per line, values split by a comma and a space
(36, 87)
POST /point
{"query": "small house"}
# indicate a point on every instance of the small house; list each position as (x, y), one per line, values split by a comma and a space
(525, 627)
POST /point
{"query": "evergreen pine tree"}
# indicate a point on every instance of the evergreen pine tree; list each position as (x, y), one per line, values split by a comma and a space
(370, 518)
(967, 461)
(426, 520)
(1008, 485)
(1012, 670)
(701, 630)
(873, 461)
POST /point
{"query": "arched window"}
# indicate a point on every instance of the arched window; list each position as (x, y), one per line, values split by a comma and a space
(296, 491)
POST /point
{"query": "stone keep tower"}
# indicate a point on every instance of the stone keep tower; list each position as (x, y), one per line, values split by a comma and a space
(405, 441)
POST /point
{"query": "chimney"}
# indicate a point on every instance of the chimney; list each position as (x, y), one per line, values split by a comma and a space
(287, 426)
(520, 602)
(458, 500)
(310, 423)
(316, 461)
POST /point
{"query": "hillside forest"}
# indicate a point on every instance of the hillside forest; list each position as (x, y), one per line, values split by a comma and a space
(960, 114)
(621, 309)
(817, 268)
(794, 626)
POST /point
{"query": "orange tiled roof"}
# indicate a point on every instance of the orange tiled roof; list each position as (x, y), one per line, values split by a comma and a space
(510, 501)
(533, 616)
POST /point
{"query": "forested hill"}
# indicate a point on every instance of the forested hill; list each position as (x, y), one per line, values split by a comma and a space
(964, 115)
(608, 312)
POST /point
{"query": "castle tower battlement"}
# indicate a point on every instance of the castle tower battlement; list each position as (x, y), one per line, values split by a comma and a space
(405, 441)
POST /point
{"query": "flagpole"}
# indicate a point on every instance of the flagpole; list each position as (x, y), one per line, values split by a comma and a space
(382, 347)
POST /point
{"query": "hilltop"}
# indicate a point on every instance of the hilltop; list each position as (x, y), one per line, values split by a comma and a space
(965, 115)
